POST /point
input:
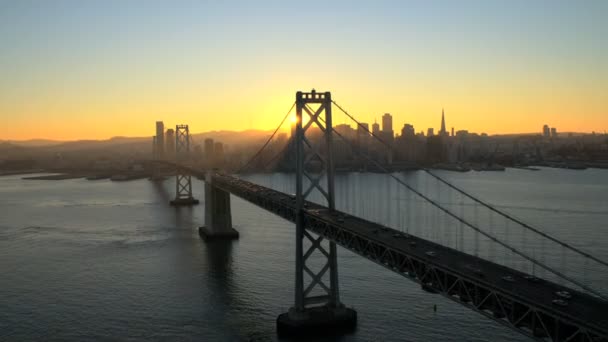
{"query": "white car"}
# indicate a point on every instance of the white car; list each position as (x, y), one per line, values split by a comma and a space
(559, 302)
(431, 254)
(563, 294)
(532, 279)
(508, 278)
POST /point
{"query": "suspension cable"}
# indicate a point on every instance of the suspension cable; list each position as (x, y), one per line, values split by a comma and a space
(525, 225)
(510, 217)
(267, 141)
(279, 154)
(489, 236)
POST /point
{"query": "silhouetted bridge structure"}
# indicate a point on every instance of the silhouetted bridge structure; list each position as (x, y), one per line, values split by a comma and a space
(509, 296)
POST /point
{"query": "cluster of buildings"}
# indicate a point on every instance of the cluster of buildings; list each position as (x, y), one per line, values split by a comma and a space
(406, 148)
(211, 155)
(214, 155)
(549, 132)
(362, 148)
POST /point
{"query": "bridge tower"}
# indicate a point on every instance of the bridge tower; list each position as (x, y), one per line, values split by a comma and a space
(183, 181)
(317, 306)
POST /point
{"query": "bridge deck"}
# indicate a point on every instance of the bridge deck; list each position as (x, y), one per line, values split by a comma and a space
(522, 304)
(541, 293)
(582, 310)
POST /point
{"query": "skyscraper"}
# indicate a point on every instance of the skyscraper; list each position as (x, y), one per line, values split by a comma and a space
(363, 135)
(170, 142)
(546, 131)
(154, 153)
(387, 122)
(363, 129)
(160, 139)
(375, 128)
(218, 151)
(443, 131)
(553, 132)
(209, 149)
(430, 132)
(408, 131)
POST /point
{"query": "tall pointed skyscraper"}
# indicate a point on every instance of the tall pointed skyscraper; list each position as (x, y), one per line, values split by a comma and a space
(443, 130)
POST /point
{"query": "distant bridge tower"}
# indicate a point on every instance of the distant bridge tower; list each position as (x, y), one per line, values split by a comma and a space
(317, 302)
(183, 182)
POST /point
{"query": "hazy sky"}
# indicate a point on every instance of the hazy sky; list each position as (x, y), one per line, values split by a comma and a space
(96, 69)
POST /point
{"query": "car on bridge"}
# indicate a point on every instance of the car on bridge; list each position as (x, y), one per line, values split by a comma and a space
(532, 278)
(508, 278)
(477, 271)
(560, 302)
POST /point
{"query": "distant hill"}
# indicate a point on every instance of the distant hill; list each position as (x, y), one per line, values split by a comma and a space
(122, 145)
(96, 144)
(35, 142)
(232, 138)
(10, 150)
(225, 136)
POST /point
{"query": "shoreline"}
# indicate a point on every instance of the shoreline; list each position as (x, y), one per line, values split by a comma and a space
(118, 177)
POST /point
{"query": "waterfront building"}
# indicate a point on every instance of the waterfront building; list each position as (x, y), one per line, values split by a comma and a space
(408, 131)
(170, 142)
(160, 139)
(375, 128)
(387, 123)
(208, 150)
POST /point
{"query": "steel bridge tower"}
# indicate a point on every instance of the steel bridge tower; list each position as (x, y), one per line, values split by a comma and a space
(317, 301)
(183, 181)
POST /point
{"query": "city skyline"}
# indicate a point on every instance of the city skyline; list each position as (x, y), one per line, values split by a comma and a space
(495, 68)
(391, 170)
(393, 127)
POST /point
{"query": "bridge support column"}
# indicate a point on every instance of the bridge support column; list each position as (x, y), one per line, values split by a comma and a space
(183, 182)
(218, 216)
(317, 308)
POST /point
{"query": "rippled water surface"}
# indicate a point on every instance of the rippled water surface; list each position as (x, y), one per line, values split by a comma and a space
(100, 260)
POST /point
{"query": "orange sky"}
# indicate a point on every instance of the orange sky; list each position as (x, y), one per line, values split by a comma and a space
(93, 71)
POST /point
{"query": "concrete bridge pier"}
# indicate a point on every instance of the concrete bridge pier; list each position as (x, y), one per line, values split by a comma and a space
(218, 216)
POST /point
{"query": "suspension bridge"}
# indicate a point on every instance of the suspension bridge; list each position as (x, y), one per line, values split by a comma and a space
(475, 262)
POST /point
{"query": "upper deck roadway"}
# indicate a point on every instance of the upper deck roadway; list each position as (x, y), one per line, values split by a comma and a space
(521, 302)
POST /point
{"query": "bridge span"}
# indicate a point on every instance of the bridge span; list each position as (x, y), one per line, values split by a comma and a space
(532, 306)
(523, 302)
